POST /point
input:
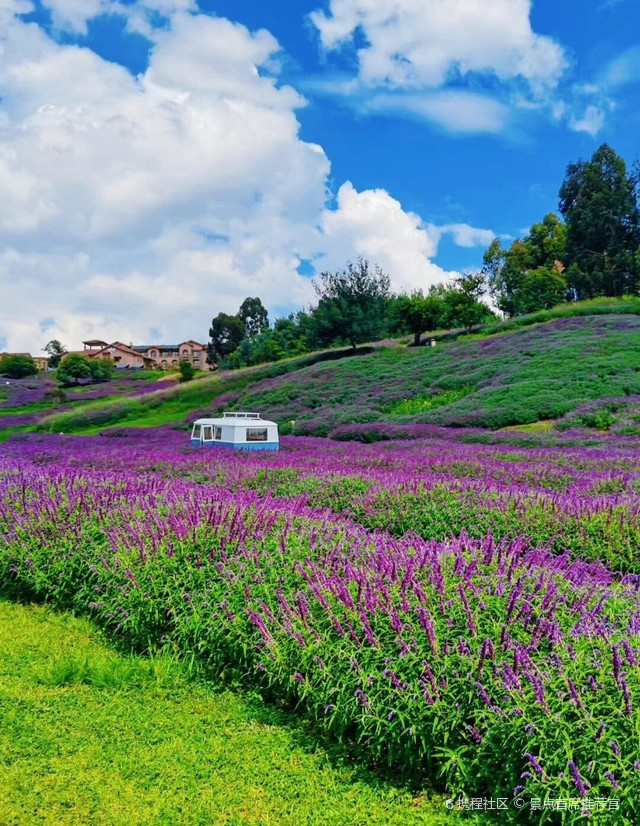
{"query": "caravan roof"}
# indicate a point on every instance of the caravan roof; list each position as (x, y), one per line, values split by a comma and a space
(233, 418)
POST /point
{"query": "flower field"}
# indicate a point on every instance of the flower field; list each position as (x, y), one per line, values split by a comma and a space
(468, 614)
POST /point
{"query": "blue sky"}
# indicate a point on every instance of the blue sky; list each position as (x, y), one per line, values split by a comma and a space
(163, 159)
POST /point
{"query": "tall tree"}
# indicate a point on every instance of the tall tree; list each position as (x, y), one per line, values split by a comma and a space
(255, 317)
(598, 200)
(529, 275)
(226, 333)
(55, 350)
(352, 304)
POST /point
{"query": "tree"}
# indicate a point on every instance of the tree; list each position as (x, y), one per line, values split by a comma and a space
(598, 200)
(100, 369)
(55, 351)
(226, 333)
(418, 313)
(187, 371)
(352, 304)
(254, 317)
(17, 367)
(510, 273)
(463, 305)
(73, 368)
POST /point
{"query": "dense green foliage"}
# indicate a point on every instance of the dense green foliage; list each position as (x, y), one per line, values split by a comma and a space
(352, 304)
(529, 275)
(17, 367)
(186, 370)
(225, 334)
(76, 366)
(595, 252)
(599, 202)
(90, 736)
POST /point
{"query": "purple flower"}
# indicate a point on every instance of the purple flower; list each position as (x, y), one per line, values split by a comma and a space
(580, 784)
(534, 763)
(360, 695)
(612, 780)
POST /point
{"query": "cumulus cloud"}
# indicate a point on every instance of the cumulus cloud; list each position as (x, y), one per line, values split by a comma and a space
(424, 43)
(139, 207)
(373, 225)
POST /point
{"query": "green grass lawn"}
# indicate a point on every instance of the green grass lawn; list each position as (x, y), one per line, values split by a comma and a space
(90, 737)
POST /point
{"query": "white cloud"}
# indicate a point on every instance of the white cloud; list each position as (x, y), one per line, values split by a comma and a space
(623, 70)
(422, 43)
(454, 110)
(373, 225)
(134, 203)
(591, 121)
(464, 235)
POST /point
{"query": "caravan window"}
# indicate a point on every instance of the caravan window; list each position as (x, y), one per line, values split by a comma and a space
(195, 433)
(207, 433)
(256, 434)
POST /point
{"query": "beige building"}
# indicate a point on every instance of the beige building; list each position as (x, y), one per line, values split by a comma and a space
(136, 356)
(167, 356)
(120, 354)
(42, 362)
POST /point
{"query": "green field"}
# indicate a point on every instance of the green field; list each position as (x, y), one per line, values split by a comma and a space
(89, 736)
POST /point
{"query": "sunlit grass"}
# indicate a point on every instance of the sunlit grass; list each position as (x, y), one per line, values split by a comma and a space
(92, 737)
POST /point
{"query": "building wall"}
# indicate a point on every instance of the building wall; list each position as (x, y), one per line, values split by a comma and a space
(195, 354)
(121, 358)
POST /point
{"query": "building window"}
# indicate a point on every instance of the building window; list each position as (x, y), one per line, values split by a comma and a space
(256, 434)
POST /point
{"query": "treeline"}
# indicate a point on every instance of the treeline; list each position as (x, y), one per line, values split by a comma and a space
(355, 305)
(593, 250)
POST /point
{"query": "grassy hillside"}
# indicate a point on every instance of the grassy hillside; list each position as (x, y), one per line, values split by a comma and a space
(536, 372)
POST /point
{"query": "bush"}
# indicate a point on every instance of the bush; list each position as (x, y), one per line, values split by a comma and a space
(18, 367)
(187, 371)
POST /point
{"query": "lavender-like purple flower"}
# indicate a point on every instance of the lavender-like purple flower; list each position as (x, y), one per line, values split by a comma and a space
(534, 763)
(581, 785)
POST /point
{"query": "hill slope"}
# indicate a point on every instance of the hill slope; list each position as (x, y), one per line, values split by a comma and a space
(534, 373)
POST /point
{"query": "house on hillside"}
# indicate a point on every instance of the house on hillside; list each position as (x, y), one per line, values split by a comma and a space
(135, 356)
(167, 356)
(123, 356)
(42, 362)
